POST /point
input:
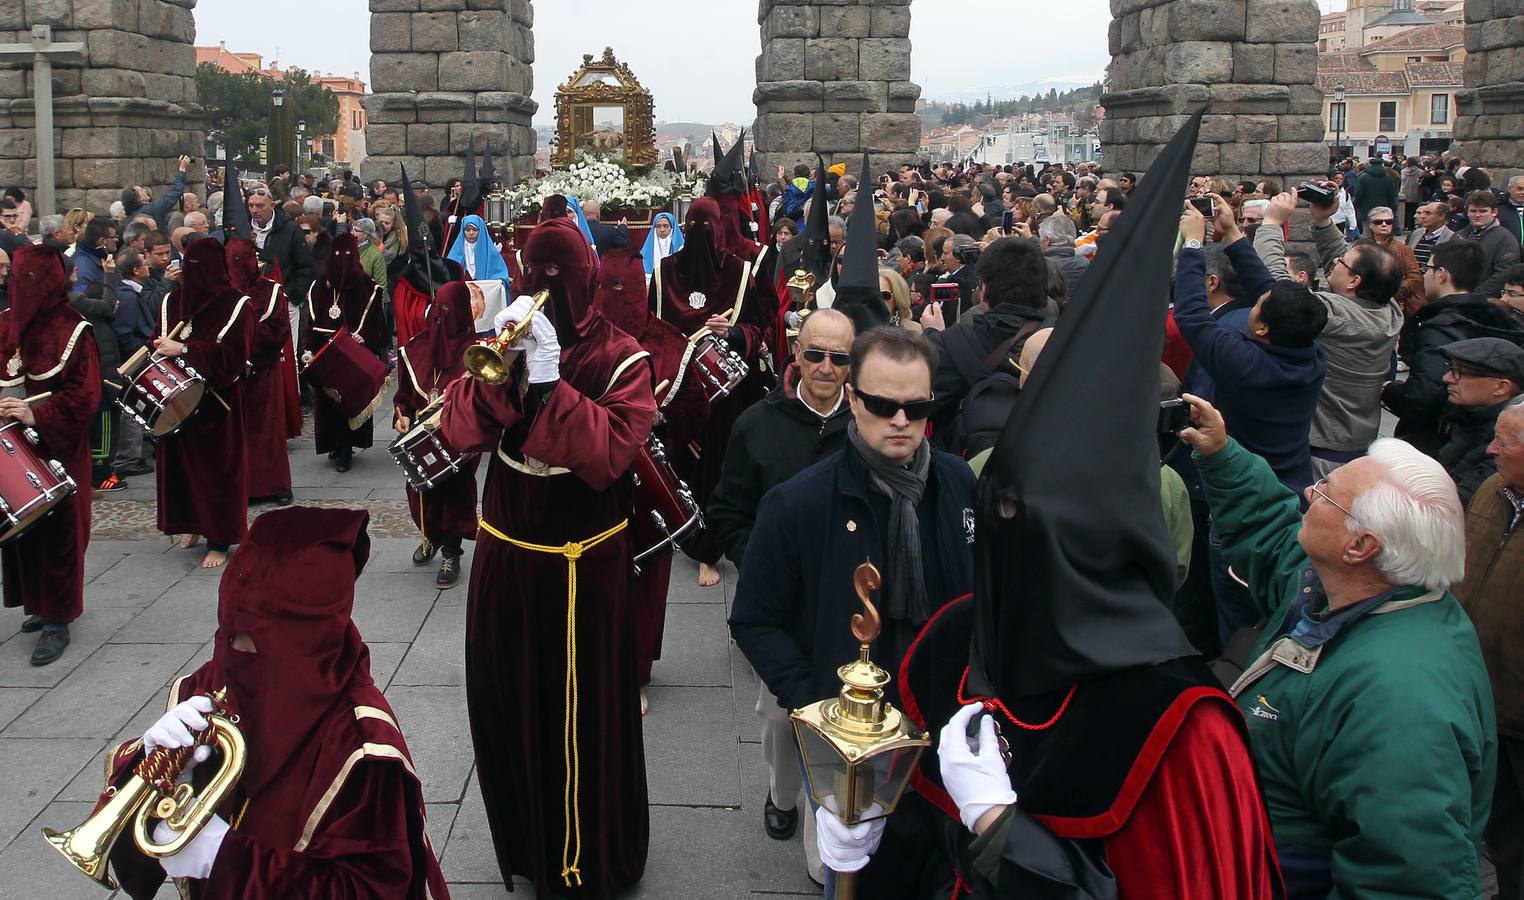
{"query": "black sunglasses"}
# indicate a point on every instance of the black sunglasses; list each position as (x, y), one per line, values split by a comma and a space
(884, 408)
(838, 359)
(1381, 221)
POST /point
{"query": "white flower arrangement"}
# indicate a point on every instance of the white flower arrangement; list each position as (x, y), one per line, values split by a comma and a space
(597, 178)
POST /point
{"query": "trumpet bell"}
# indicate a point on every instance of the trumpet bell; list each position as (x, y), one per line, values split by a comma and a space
(486, 364)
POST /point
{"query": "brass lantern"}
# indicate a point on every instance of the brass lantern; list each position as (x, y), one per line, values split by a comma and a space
(859, 751)
(497, 208)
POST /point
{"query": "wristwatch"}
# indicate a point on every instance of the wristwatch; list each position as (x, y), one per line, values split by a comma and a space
(1193, 244)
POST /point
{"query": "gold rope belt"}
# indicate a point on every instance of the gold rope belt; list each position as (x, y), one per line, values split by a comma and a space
(571, 846)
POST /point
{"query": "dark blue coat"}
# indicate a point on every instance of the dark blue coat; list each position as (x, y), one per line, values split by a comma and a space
(794, 603)
(1267, 394)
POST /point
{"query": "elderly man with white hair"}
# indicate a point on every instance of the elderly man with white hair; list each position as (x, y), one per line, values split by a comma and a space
(1368, 705)
(1492, 597)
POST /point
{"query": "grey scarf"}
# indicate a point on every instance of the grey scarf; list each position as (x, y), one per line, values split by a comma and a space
(903, 485)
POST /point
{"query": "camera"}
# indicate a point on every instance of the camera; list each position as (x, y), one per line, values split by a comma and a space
(967, 255)
(945, 292)
(1315, 194)
(1174, 417)
(1205, 205)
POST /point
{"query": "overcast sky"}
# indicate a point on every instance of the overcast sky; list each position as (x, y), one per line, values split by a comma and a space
(955, 47)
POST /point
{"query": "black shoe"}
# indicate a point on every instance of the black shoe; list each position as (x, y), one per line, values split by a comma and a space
(780, 824)
(424, 553)
(50, 646)
(333, 455)
(31, 625)
(449, 572)
(346, 459)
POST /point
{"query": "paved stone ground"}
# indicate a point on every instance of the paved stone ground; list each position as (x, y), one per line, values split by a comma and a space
(150, 614)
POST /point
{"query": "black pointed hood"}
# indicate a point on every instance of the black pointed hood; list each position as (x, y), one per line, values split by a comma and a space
(412, 215)
(1074, 582)
(817, 256)
(235, 211)
(857, 292)
(488, 176)
(470, 184)
(422, 266)
(729, 174)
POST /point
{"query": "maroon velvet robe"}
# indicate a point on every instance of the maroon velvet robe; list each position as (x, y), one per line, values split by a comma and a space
(44, 570)
(408, 307)
(450, 507)
(203, 468)
(557, 475)
(265, 392)
(359, 309)
(684, 409)
(355, 791)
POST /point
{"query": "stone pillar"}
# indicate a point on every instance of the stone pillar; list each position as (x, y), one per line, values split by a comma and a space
(123, 117)
(443, 71)
(834, 78)
(1489, 122)
(1251, 63)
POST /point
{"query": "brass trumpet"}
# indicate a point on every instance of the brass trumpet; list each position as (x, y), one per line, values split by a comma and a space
(486, 361)
(151, 792)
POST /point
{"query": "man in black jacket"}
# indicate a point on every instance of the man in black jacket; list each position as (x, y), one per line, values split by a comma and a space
(801, 422)
(605, 237)
(136, 201)
(282, 247)
(1454, 313)
(1485, 375)
(888, 498)
(1500, 247)
(1013, 292)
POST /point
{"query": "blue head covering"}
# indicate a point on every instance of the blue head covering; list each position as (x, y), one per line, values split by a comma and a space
(575, 206)
(648, 252)
(490, 265)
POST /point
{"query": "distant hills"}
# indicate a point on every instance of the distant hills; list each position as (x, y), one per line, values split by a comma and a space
(977, 93)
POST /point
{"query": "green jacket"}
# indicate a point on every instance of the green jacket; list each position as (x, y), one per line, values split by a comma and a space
(374, 263)
(1377, 766)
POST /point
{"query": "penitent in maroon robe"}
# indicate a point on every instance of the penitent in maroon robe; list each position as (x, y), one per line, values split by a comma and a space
(425, 367)
(684, 409)
(203, 468)
(330, 806)
(345, 297)
(577, 825)
(688, 287)
(264, 393)
(51, 350)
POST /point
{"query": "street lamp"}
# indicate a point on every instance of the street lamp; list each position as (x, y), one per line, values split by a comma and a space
(277, 140)
(1339, 118)
(859, 751)
(301, 143)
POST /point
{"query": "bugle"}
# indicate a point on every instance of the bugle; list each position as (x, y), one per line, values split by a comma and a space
(486, 360)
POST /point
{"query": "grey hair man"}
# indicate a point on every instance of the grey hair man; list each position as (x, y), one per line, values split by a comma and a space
(1057, 234)
(1366, 656)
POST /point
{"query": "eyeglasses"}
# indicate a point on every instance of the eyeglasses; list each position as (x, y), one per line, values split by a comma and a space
(1381, 221)
(1460, 372)
(884, 408)
(1317, 489)
(1513, 293)
(817, 356)
(886, 295)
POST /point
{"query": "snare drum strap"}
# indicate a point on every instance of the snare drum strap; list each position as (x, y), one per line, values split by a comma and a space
(63, 360)
(682, 372)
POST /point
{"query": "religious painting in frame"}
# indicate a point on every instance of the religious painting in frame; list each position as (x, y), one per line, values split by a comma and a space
(603, 108)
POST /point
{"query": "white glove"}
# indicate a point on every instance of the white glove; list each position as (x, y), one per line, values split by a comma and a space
(843, 848)
(515, 312)
(174, 729)
(975, 779)
(543, 355)
(196, 860)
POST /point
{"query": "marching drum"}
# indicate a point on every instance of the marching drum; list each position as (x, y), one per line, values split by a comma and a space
(29, 485)
(423, 454)
(665, 500)
(718, 368)
(162, 392)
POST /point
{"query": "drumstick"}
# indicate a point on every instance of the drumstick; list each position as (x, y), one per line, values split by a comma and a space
(36, 398)
(663, 386)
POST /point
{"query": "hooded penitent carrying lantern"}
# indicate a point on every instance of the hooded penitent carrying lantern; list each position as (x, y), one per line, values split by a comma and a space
(859, 751)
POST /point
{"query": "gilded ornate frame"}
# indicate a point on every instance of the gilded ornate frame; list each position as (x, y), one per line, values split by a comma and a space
(639, 125)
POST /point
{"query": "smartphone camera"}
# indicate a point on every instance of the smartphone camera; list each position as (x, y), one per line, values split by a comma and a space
(1315, 194)
(1205, 205)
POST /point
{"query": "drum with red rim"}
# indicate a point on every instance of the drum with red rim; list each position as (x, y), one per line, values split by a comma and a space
(30, 486)
(162, 392)
(424, 455)
(665, 501)
(717, 367)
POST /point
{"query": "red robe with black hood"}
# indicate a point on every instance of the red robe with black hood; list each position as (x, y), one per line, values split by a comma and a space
(417, 274)
(1130, 763)
(344, 297)
(48, 348)
(203, 468)
(425, 367)
(265, 390)
(329, 806)
(622, 300)
(541, 625)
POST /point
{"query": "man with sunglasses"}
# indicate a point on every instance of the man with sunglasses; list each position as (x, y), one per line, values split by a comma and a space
(1485, 375)
(801, 422)
(1455, 312)
(886, 498)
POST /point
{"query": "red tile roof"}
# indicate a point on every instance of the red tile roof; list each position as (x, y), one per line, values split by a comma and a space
(1434, 37)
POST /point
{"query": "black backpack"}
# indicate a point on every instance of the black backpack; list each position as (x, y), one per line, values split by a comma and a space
(996, 385)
